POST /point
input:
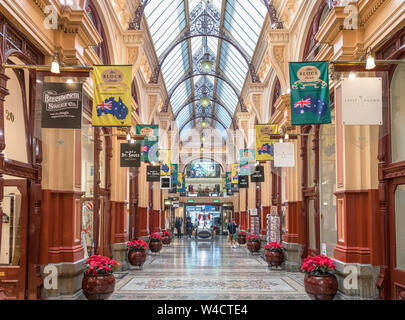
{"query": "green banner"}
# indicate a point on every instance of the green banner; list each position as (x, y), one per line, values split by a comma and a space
(310, 103)
(149, 146)
(181, 182)
(228, 177)
(174, 173)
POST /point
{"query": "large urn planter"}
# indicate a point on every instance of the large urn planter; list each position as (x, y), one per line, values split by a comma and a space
(137, 252)
(274, 254)
(320, 281)
(137, 258)
(241, 238)
(167, 238)
(155, 244)
(253, 243)
(98, 281)
(99, 286)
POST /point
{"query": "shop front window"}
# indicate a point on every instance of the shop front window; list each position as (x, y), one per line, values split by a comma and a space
(398, 114)
(400, 226)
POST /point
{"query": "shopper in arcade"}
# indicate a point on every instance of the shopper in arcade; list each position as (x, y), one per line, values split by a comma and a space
(189, 227)
(232, 228)
(178, 227)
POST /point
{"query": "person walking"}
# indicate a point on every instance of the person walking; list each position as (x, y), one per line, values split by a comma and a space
(178, 227)
(232, 228)
(189, 227)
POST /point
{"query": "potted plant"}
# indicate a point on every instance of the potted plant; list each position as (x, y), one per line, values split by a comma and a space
(98, 281)
(155, 243)
(253, 243)
(274, 254)
(320, 280)
(242, 237)
(167, 237)
(137, 252)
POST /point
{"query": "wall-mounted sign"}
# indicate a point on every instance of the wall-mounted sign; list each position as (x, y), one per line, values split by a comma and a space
(253, 212)
(235, 187)
(243, 182)
(165, 182)
(153, 173)
(130, 155)
(62, 105)
(362, 101)
(284, 155)
(190, 201)
(258, 174)
(215, 201)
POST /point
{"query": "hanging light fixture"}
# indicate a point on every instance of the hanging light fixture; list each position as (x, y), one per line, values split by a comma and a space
(207, 63)
(55, 65)
(128, 137)
(370, 59)
(205, 100)
(202, 138)
(203, 123)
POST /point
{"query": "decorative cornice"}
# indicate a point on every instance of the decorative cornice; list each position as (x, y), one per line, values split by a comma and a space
(369, 9)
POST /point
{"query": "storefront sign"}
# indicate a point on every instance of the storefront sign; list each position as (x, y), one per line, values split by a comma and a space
(243, 182)
(264, 143)
(258, 174)
(130, 155)
(112, 96)
(153, 173)
(284, 155)
(362, 101)
(310, 103)
(253, 212)
(62, 106)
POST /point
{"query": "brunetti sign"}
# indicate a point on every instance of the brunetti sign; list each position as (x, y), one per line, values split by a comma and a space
(62, 106)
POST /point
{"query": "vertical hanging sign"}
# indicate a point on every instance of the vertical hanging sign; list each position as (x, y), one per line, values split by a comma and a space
(165, 165)
(310, 102)
(62, 106)
(181, 186)
(112, 97)
(150, 145)
(130, 155)
(264, 143)
(247, 157)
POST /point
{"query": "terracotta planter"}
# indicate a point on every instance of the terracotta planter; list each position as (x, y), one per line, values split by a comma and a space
(242, 239)
(321, 287)
(167, 240)
(274, 258)
(155, 246)
(98, 287)
(137, 257)
(253, 246)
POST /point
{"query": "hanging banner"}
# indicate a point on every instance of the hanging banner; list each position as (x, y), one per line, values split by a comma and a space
(264, 143)
(245, 169)
(181, 186)
(243, 182)
(234, 173)
(258, 174)
(174, 174)
(310, 102)
(165, 165)
(235, 187)
(228, 181)
(153, 173)
(362, 101)
(112, 97)
(62, 106)
(247, 155)
(130, 155)
(284, 156)
(223, 184)
(150, 145)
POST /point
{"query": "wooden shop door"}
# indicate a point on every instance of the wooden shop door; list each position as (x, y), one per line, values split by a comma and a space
(14, 244)
(105, 224)
(397, 238)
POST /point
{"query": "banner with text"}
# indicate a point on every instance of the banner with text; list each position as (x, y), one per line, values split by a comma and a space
(112, 97)
(310, 103)
(264, 143)
(165, 165)
(150, 145)
(130, 155)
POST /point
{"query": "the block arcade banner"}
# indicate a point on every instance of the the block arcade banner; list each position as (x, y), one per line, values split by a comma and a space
(112, 97)
(264, 142)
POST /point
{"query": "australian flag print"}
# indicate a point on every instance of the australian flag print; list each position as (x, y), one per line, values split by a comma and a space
(310, 104)
(266, 148)
(116, 108)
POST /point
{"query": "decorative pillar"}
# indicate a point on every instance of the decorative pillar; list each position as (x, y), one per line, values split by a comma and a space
(142, 219)
(242, 209)
(265, 197)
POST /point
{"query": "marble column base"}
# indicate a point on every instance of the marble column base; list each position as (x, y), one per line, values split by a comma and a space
(292, 256)
(366, 280)
(68, 282)
(120, 254)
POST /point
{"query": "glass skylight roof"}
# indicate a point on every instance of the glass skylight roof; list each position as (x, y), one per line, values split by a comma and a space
(243, 21)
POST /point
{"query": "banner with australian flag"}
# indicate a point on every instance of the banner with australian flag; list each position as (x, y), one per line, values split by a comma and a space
(310, 103)
(112, 97)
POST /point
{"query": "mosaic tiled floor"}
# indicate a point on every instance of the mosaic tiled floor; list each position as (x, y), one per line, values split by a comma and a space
(190, 270)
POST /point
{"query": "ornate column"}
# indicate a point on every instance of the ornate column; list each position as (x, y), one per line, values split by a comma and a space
(265, 197)
(142, 219)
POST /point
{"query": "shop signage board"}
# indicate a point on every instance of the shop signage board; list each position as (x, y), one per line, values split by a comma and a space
(362, 101)
(235, 187)
(62, 105)
(130, 155)
(165, 182)
(264, 142)
(243, 182)
(309, 84)
(112, 96)
(153, 173)
(258, 174)
(284, 155)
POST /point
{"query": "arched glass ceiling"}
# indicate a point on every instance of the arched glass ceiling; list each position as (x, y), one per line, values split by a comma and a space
(242, 19)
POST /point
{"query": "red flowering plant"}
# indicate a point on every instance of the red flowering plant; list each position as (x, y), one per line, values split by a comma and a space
(253, 237)
(97, 264)
(242, 233)
(139, 245)
(166, 234)
(273, 246)
(155, 237)
(319, 265)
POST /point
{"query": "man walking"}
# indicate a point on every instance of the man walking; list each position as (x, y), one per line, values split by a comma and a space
(178, 227)
(232, 228)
